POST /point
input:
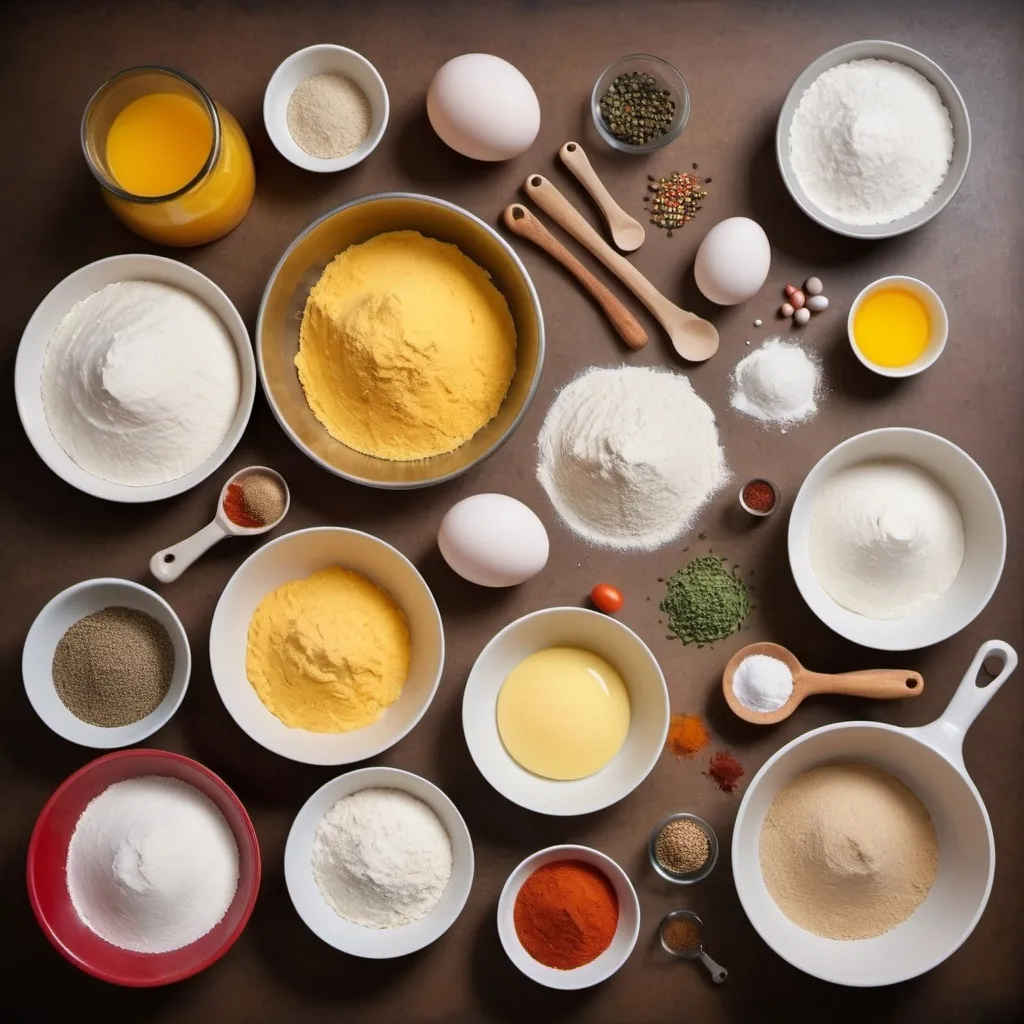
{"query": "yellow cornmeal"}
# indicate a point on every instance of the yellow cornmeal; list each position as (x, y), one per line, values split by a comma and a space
(406, 348)
(329, 653)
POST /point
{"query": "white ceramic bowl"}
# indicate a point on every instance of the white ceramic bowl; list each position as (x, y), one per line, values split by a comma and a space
(936, 315)
(62, 612)
(878, 49)
(610, 960)
(320, 917)
(929, 760)
(295, 556)
(323, 59)
(648, 698)
(984, 530)
(35, 339)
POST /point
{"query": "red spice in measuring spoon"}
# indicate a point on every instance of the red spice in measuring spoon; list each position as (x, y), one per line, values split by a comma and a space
(235, 509)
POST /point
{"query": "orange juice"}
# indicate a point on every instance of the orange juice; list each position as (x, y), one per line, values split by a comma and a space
(158, 144)
(174, 166)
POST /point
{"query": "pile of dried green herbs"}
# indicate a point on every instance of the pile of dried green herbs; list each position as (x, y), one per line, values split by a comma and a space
(705, 601)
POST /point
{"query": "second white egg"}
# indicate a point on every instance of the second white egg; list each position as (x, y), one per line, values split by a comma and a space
(493, 540)
(733, 261)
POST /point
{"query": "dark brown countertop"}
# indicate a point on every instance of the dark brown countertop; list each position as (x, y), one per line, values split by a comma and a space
(739, 59)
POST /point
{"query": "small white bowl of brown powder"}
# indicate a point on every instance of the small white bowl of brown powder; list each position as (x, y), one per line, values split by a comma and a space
(326, 108)
(106, 663)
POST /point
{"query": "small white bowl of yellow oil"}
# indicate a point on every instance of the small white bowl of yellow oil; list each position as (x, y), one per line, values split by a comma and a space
(565, 711)
(898, 326)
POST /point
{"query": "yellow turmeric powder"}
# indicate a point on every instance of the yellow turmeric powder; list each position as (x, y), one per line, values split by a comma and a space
(406, 347)
(328, 653)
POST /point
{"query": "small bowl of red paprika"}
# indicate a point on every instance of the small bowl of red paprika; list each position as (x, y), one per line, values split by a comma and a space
(568, 917)
(760, 497)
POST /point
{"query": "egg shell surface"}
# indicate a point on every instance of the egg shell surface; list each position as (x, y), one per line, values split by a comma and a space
(483, 107)
(493, 540)
(733, 261)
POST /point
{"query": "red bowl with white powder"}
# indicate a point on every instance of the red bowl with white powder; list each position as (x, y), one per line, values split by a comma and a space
(47, 882)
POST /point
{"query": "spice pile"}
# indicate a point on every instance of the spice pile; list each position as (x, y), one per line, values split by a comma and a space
(682, 847)
(152, 865)
(328, 116)
(254, 502)
(636, 109)
(674, 200)
(114, 667)
(705, 602)
(777, 383)
(680, 934)
(566, 914)
(725, 771)
(687, 735)
(381, 858)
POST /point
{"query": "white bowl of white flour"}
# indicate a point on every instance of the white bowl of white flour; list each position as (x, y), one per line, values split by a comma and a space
(135, 378)
(897, 539)
(379, 863)
(873, 139)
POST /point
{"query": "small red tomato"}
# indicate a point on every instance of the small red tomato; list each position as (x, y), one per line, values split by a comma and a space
(606, 598)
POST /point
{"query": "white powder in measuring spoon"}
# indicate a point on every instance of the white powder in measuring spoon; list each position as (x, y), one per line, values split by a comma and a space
(777, 383)
(629, 456)
(870, 141)
(152, 864)
(762, 683)
(140, 383)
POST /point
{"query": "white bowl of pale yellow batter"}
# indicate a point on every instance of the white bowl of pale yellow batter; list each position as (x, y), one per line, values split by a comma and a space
(296, 556)
(648, 698)
(984, 536)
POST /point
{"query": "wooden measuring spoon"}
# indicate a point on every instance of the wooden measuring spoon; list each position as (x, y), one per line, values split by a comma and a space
(521, 222)
(627, 232)
(880, 683)
(691, 336)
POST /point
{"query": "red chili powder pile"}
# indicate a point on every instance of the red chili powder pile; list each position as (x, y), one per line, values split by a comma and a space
(725, 770)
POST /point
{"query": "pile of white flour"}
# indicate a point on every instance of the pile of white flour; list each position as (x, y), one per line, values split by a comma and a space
(870, 141)
(886, 539)
(629, 456)
(140, 383)
(777, 383)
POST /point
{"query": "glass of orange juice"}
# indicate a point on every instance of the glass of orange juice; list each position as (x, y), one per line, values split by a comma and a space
(174, 165)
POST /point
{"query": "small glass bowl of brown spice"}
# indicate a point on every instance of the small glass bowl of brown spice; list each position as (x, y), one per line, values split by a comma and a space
(683, 848)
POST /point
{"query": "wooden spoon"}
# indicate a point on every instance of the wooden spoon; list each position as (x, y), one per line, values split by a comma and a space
(627, 232)
(691, 336)
(521, 222)
(880, 683)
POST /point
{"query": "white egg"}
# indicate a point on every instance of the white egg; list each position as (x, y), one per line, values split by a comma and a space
(483, 107)
(493, 540)
(733, 260)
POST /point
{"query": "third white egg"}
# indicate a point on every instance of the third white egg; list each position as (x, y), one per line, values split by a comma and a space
(733, 261)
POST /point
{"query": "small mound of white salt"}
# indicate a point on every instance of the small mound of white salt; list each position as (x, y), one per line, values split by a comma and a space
(778, 383)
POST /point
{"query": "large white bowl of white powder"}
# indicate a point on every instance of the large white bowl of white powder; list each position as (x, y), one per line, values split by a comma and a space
(897, 539)
(135, 378)
(873, 139)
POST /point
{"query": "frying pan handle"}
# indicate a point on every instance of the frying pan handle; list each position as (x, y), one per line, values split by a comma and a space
(946, 733)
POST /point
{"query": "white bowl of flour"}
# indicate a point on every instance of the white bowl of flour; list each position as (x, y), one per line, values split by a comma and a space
(863, 139)
(153, 383)
(906, 557)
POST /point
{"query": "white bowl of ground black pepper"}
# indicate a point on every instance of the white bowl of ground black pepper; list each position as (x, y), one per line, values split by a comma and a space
(325, 108)
(106, 663)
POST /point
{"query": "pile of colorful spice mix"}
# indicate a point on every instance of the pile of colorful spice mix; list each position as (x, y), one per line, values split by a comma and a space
(636, 109)
(705, 602)
(674, 200)
(256, 501)
(566, 914)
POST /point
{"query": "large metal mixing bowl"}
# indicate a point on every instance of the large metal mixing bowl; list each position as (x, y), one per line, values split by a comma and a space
(277, 331)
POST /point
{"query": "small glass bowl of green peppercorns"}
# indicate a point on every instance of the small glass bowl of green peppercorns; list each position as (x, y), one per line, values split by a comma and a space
(640, 103)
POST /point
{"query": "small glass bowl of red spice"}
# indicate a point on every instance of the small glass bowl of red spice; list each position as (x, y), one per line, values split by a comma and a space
(640, 103)
(760, 497)
(683, 848)
(568, 917)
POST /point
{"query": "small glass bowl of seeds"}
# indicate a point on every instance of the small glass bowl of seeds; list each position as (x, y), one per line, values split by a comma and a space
(640, 103)
(683, 848)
